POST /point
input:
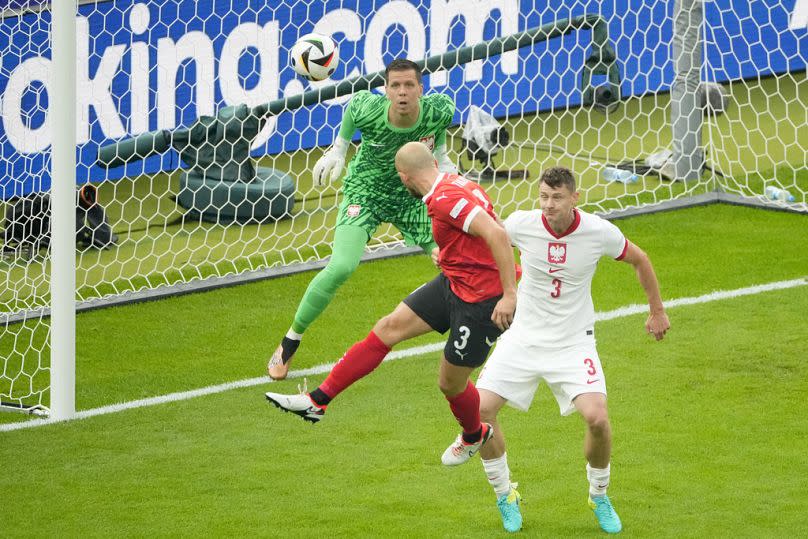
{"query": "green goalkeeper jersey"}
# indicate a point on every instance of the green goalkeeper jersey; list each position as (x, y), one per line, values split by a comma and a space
(372, 173)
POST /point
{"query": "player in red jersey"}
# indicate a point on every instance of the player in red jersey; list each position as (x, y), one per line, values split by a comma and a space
(474, 298)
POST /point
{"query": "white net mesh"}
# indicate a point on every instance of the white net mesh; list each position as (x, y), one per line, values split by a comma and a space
(147, 71)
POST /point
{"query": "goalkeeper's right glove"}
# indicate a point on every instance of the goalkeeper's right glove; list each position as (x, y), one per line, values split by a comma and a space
(328, 168)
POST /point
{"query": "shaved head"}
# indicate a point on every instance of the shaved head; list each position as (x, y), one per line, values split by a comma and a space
(414, 157)
(417, 167)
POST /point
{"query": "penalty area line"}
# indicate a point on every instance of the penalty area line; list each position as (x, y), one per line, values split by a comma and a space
(621, 312)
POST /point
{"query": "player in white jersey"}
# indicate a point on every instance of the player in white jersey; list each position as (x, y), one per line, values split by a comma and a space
(552, 337)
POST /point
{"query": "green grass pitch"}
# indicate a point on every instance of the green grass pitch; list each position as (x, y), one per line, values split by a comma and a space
(708, 425)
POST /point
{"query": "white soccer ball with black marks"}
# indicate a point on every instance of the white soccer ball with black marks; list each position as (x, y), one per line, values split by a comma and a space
(315, 57)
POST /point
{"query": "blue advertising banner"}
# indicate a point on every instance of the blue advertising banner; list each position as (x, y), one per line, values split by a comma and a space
(143, 66)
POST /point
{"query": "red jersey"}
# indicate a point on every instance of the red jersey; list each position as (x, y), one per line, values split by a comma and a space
(467, 262)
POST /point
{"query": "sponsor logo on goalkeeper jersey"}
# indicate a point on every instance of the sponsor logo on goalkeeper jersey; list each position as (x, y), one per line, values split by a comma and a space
(557, 252)
(353, 210)
(429, 142)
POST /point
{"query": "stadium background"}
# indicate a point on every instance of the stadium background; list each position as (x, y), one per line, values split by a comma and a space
(760, 39)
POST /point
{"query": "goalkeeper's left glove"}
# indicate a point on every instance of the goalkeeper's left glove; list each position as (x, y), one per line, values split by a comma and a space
(444, 163)
(327, 169)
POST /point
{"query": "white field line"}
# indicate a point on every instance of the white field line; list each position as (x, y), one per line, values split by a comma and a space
(409, 352)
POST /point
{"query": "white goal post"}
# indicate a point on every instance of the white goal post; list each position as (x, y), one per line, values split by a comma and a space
(657, 106)
(63, 221)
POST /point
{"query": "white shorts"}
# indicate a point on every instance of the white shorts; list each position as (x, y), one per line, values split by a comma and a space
(514, 372)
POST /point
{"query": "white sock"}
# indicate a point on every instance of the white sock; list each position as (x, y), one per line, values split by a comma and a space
(598, 479)
(291, 334)
(499, 476)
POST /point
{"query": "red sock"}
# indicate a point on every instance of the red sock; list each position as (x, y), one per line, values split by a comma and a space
(466, 408)
(358, 361)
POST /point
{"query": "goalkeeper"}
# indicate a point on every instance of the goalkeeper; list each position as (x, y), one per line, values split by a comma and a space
(372, 190)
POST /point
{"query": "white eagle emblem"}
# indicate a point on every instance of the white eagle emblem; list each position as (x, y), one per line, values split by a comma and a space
(557, 253)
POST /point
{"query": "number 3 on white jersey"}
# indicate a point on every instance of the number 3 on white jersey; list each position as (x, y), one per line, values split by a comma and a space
(556, 288)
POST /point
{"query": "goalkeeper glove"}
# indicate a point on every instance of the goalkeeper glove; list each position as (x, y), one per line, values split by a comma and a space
(444, 163)
(328, 168)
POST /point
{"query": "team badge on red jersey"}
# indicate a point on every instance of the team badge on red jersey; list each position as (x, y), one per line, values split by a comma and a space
(557, 252)
(353, 210)
(429, 142)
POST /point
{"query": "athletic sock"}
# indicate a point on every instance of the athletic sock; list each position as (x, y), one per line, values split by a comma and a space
(347, 251)
(358, 362)
(317, 297)
(288, 348)
(598, 479)
(294, 335)
(498, 474)
(319, 397)
(466, 408)
(473, 437)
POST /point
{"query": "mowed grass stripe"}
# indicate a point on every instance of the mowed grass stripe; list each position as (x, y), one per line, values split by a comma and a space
(708, 427)
(398, 354)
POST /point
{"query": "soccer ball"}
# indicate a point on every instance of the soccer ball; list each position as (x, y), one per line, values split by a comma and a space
(315, 56)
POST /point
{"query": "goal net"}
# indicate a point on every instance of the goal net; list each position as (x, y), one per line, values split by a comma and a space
(198, 189)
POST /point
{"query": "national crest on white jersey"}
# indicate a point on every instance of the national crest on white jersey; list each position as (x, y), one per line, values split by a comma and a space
(557, 252)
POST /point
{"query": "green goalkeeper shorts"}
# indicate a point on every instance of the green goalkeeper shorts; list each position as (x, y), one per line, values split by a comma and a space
(409, 217)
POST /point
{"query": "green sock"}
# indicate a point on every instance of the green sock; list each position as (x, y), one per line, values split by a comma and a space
(349, 245)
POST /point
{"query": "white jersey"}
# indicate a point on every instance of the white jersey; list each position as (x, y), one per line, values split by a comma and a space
(554, 300)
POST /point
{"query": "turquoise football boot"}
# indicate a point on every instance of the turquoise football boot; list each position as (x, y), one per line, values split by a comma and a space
(508, 505)
(605, 513)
